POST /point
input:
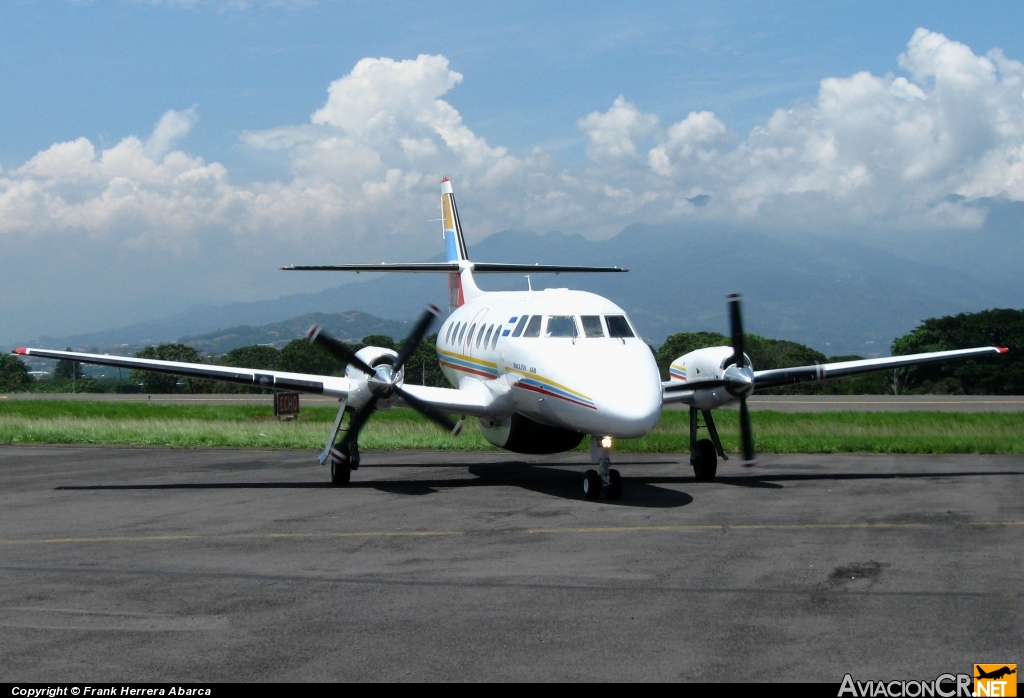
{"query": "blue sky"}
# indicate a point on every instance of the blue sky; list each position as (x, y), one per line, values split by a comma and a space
(582, 116)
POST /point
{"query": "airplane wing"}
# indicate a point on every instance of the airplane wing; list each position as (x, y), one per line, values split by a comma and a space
(682, 391)
(465, 401)
(276, 380)
(773, 378)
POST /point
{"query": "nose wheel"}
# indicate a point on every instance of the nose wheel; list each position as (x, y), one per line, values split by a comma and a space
(594, 484)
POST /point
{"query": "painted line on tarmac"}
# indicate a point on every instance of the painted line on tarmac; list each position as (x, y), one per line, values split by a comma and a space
(724, 528)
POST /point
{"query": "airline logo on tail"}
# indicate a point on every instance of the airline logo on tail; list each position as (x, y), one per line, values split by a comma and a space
(454, 243)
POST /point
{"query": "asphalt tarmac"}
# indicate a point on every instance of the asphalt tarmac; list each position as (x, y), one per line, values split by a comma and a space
(153, 564)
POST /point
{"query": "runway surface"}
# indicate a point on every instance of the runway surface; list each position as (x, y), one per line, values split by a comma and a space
(132, 564)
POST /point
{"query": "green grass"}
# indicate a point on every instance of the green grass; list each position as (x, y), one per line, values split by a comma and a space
(87, 422)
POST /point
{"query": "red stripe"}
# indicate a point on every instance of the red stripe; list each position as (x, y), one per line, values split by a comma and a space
(24, 350)
(469, 370)
(540, 390)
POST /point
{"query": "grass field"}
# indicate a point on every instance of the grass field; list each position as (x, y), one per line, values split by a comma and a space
(67, 422)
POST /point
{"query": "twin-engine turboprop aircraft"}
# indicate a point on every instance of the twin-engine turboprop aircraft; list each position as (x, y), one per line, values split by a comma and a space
(540, 370)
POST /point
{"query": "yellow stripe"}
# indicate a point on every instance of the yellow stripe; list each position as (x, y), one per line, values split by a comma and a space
(470, 359)
(446, 208)
(548, 381)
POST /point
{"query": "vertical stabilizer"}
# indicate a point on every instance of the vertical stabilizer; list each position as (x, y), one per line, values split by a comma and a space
(461, 284)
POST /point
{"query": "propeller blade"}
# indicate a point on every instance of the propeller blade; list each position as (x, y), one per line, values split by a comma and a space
(428, 411)
(416, 336)
(337, 349)
(736, 328)
(746, 435)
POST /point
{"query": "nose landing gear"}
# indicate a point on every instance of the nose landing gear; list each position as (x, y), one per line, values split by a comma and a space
(605, 478)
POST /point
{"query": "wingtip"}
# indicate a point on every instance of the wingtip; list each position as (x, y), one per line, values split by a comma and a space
(21, 350)
(1002, 350)
(457, 429)
(313, 333)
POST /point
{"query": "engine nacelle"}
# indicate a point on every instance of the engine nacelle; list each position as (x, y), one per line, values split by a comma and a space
(705, 364)
(373, 357)
(521, 434)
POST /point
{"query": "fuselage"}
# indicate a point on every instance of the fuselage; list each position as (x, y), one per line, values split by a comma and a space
(567, 359)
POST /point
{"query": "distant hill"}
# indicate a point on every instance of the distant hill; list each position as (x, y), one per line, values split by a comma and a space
(348, 327)
(835, 296)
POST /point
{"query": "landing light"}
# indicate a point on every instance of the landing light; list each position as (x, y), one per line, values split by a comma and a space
(606, 442)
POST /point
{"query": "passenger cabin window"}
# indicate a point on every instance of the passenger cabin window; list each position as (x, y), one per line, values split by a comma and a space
(469, 337)
(533, 327)
(448, 334)
(561, 326)
(487, 337)
(462, 331)
(522, 324)
(592, 326)
(497, 333)
(618, 327)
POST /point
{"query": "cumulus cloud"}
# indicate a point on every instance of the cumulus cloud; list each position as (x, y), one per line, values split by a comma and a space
(173, 126)
(876, 150)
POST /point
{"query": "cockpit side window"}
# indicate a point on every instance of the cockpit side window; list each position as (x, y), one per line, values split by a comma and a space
(522, 324)
(533, 327)
(592, 326)
(618, 327)
(561, 326)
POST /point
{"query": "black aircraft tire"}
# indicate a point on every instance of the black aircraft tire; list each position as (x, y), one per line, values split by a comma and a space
(614, 490)
(341, 473)
(707, 465)
(591, 485)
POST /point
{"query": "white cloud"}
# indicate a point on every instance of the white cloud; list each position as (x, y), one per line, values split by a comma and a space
(173, 126)
(869, 150)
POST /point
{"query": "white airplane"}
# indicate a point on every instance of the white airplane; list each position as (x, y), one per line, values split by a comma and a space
(540, 370)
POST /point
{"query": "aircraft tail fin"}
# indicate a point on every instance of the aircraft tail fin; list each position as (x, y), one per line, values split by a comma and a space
(460, 283)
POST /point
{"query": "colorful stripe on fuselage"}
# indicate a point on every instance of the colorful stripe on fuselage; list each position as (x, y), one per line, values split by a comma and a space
(467, 364)
(677, 371)
(539, 384)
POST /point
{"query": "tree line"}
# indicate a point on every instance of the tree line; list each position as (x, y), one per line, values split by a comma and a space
(986, 376)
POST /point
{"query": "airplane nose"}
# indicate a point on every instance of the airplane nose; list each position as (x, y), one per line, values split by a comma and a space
(631, 407)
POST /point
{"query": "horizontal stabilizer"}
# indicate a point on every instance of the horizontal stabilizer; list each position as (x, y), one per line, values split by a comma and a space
(450, 267)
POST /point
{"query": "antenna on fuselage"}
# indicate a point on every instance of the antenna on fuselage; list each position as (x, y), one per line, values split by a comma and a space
(529, 284)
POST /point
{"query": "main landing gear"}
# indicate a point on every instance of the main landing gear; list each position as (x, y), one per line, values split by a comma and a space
(605, 478)
(343, 459)
(704, 452)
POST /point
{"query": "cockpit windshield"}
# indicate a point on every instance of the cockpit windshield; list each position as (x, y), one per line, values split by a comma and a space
(618, 327)
(561, 326)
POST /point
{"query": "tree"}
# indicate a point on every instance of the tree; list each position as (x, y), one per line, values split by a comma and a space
(996, 375)
(14, 375)
(258, 356)
(68, 370)
(422, 368)
(299, 356)
(167, 383)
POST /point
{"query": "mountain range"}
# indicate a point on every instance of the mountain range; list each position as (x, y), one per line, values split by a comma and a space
(837, 296)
